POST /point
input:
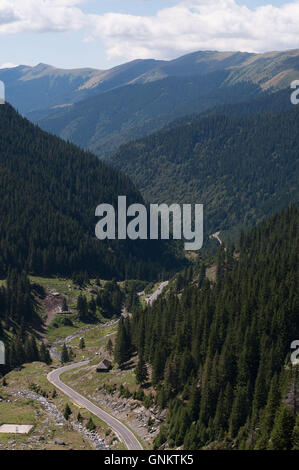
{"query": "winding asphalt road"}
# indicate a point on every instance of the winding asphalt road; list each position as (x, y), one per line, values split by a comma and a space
(217, 237)
(117, 426)
(150, 299)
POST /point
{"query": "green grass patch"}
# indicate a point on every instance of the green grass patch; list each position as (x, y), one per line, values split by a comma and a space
(64, 325)
(18, 412)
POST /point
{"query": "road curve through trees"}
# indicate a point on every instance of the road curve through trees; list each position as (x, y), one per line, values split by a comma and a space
(124, 433)
(151, 298)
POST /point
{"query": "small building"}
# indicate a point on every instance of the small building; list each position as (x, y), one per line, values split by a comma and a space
(104, 366)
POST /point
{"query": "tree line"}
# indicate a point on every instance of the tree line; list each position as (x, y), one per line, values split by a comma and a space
(18, 316)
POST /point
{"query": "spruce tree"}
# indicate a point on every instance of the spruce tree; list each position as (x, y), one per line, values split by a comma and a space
(82, 308)
(67, 412)
(44, 354)
(282, 434)
(64, 354)
(109, 347)
(64, 306)
(141, 371)
(90, 425)
(122, 345)
(295, 437)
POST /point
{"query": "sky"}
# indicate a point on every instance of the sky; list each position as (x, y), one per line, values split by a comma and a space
(105, 33)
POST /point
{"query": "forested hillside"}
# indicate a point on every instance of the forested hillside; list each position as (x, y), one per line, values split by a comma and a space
(273, 103)
(242, 168)
(104, 122)
(220, 352)
(19, 320)
(49, 191)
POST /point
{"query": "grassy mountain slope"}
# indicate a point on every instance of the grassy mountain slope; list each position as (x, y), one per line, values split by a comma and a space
(104, 122)
(240, 168)
(269, 70)
(43, 86)
(49, 192)
(40, 90)
(190, 84)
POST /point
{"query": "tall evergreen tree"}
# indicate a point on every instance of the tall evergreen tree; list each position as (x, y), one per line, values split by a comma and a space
(141, 371)
(282, 434)
(64, 354)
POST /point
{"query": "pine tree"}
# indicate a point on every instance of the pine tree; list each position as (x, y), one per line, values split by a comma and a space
(295, 437)
(141, 371)
(64, 306)
(82, 343)
(67, 412)
(71, 354)
(19, 351)
(194, 403)
(282, 434)
(31, 350)
(158, 366)
(239, 410)
(44, 354)
(268, 415)
(64, 354)
(90, 425)
(109, 347)
(82, 308)
(171, 375)
(122, 345)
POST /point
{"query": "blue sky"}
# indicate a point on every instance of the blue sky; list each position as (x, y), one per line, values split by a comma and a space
(150, 7)
(104, 33)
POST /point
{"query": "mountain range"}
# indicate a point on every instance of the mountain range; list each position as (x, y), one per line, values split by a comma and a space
(99, 110)
(195, 129)
(207, 353)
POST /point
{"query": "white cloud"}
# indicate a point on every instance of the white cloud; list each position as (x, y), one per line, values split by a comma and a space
(199, 24)
(7, 65)
(176, 29)
(18, 16)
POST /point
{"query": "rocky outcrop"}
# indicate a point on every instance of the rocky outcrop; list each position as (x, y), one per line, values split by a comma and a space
(145, 422)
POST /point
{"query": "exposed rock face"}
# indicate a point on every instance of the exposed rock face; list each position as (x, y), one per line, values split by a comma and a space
(145, 422)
